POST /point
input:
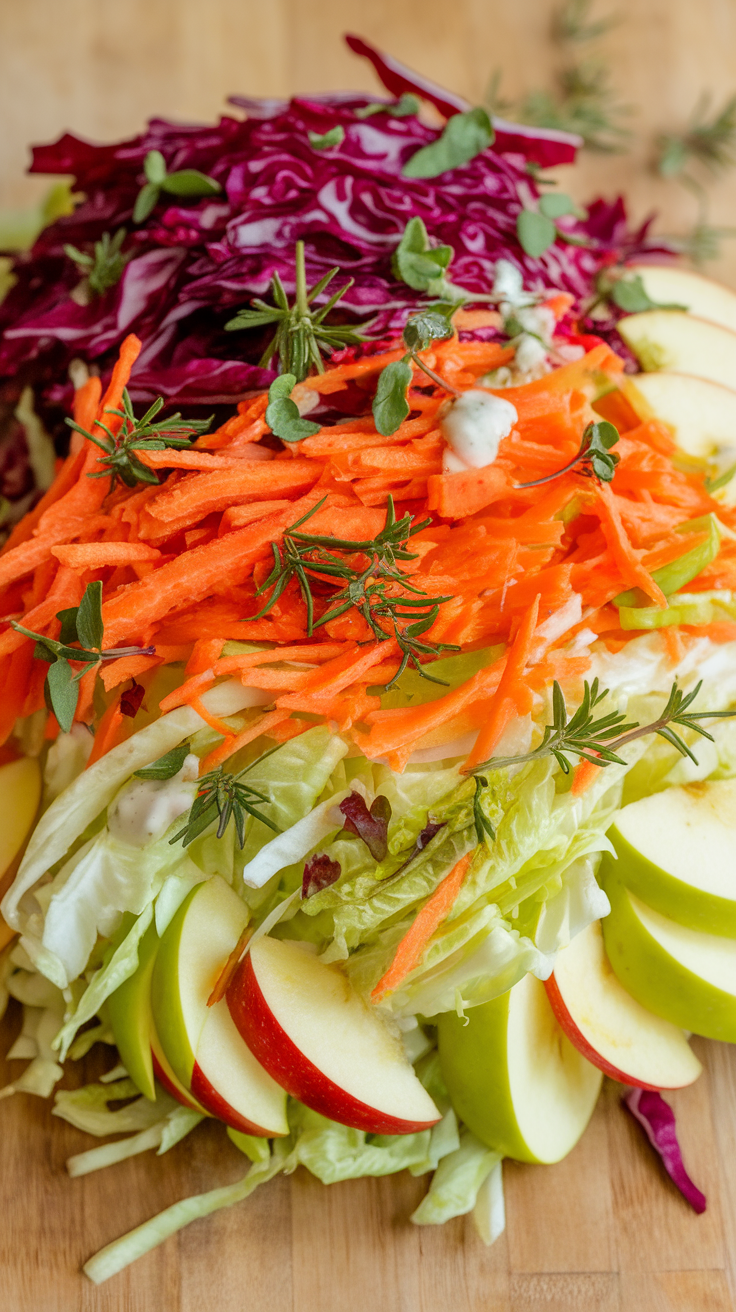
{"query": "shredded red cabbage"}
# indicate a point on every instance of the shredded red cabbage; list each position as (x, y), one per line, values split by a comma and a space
(371, 826)
(319, 872)
(130, 701)
(657, 1120)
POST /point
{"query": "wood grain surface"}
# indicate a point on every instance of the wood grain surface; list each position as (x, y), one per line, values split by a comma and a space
(603, 1231)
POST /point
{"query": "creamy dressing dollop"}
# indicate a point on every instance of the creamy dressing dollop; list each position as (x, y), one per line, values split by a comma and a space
(144, 808)
(474, 426)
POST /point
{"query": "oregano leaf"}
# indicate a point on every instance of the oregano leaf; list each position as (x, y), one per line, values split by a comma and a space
(429, 326)
(89, 617)
(390, 406)
(68, 625)
(464, 136)
(190, 182)
(536, 232)
(145, 202)
(556, 204)
(416, 262)
(166, 766)
(62, 693)
(401, 108)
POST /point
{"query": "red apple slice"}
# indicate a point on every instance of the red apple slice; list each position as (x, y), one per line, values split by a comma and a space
(167, 1079)
(203, 1049)
(611, 1028)
(320, 1040)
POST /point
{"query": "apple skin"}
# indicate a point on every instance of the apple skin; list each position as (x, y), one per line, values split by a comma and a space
(657, 979)
(167, 1079)
(286, 1064)
(20, 790)
(701, 413)
(576, 1036)
(129, 1009)
(475, 1067)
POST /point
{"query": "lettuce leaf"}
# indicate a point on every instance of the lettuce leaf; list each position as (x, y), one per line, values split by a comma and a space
(455, 1184)
(87, 1108)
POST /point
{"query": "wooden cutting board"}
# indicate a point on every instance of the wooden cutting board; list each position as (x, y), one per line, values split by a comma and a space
(604, 1231)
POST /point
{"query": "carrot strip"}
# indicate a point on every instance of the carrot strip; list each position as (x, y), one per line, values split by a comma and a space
(503, 705)
(632, 571)
(234, 744)
(205, 652)
(585, 773)
(97, 555)
(412, 947)
(107, 734)
(218, 725)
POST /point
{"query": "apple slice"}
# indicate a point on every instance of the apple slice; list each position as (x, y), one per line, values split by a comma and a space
(514, 1076)
(315, 1035)
(611, 1028)
(129, 1009)
(677, 851)
(201, 1044)
(166, 1077)
(680, 343)
(681, 974)
(20, 789)
(701, 414)
(669, 284)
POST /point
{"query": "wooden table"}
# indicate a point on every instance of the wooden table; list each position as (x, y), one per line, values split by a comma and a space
(604, 1231)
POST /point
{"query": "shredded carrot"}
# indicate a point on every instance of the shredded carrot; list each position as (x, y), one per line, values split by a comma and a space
(411, 949)
(504, 702)
(107, 734)
(585, 773)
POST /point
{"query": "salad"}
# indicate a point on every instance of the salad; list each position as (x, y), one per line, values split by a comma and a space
(369, 756)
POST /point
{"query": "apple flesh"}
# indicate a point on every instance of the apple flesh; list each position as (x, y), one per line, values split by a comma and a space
(680, 343)
(201, 1044)
(515, 1078)
(167, 1079)
(129, 1009)
(701, 414)
(20, 790)
(668, 284)
(315, 1035)
(685, 976)
(677, 851)
(609, 1027)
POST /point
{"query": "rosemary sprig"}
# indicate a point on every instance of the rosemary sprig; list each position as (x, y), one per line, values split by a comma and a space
(594, 458)
(120, 461)
(220, 794)
(80, 625)
(104, 268)
(302, 335)
(310, 558)
(600, 740)
(709, 141)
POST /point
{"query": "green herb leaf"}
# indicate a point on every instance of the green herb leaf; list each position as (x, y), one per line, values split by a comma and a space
(428, 326)
(190, 182)
(103, 269)
(145, 202)
(154, 167)
(120, 461)
(417, 263)
(536, 232)
(629, 294)
(62, 693)
(89, 617)
(594, 458)
(390, 406)
(465, 136)
(282, 414)
(68, 625)
(401, 108)
(483, 827)
(326, 140)
(166, 766)
(220, 794)
(555, 204)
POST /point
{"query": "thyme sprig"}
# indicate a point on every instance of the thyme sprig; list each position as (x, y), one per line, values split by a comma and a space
(120, 461)
(301, 336)
(79, 643)
(370, 588)
(103, 267)
(220, 794)
(594, 458)
(599, 740)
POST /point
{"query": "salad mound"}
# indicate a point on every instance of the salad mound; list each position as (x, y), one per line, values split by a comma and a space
(354, 704)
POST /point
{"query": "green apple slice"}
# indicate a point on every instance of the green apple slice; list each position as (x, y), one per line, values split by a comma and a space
(680, 343)
(677, 852)
(20, 794)
(515, 1078)
(701, 414)
(668, 284)
(681, 974)
(129, 1008)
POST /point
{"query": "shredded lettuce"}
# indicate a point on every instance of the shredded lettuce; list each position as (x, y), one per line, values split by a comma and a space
(455, 1184)
(173, 1126)
(87, 1108)
(489, 1213)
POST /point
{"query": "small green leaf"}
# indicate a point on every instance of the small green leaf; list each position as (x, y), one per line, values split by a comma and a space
(190, 182)
(390, 406)
(68, 625)
(402, 108)
(89, 617)
(154, 167)
(145, 202)
(62, 693)
(166, 766)
(418, 264)
(282, 414)
(429, 326)
(536, 232)
(555, 204)
(334, 137)
(464, 136)
(80, 258)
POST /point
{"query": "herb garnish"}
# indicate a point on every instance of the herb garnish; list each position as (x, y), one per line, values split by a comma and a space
(166, 766)
(119, 461)
(282, 414)
(594, 458)
(301, 333)
(464, 136)
(80, 624)
(627, 291)
(599, 740)
(390, 404)
(188, 183)
(537, 229)
(104, 268)
(326, 140)
(310, 558)
(220, 793)
(405, 106)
